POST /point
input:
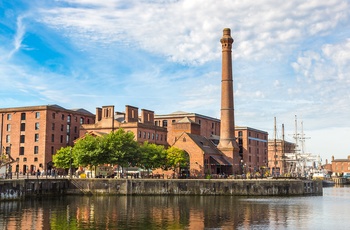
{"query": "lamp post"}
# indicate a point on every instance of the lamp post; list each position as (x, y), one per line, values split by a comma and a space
(17, 167)
(70, 161)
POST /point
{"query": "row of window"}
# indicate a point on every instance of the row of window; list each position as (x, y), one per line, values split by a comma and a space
(149, 136)
(257, 159)
(36, 138)
(37, 127)
(165, 123)
(37, 116)
(21, 150)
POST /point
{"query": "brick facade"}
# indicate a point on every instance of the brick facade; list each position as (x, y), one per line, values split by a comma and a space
(253, 148)
(33, 134)
(276, 161)
(143, 126)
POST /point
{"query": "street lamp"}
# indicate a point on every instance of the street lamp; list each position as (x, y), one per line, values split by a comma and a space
(70, 161)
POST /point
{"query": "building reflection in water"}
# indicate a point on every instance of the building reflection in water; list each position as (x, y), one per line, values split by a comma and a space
(150, 212)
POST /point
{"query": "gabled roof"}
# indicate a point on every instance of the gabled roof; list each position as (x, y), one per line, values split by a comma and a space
(206, 145)
(186, 120)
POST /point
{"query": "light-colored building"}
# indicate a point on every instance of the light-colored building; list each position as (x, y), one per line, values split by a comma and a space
(31, 135)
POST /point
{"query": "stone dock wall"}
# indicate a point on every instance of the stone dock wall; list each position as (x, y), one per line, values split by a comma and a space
(21, 188)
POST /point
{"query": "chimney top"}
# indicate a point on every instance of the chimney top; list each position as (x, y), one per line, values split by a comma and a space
(227, 31)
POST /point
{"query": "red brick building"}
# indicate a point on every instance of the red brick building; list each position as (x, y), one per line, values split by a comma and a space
(252, 148)
(200, 124)
(31, 135)
(340, 166)
(277, 161)
(142, 126)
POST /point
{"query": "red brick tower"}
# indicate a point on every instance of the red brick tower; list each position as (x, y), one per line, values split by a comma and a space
(227, 144)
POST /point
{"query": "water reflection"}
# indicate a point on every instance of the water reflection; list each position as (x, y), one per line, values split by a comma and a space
(173, 212)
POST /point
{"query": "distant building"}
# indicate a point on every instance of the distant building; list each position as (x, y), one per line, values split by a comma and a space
(340, 165)
(142, 126)
(277, 161)
(31, 135)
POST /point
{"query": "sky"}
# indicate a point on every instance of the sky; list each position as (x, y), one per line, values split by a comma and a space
(291, 61)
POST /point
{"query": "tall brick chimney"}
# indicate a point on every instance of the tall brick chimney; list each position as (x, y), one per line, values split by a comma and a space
(227, 143)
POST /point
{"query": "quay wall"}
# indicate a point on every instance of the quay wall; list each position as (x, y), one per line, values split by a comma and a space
(21, 188)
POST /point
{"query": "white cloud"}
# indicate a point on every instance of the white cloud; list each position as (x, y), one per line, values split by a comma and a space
(188, 31)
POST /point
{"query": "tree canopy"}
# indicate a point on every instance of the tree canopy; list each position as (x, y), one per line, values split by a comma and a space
(120, 148)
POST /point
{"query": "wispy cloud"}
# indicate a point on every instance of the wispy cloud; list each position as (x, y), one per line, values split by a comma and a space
(18, 38)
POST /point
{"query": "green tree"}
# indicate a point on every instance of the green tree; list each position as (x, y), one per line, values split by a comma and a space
(64, 158)
(87, 151)
(176, 158)
(152, 156)
(121, 148)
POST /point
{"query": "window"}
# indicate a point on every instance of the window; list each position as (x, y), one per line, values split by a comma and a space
(152, 136)
(37, 115)
(62, 117)
(173, 121)
(37, 126)
(144, 135)
(157, 136)
(148, 135)
(8, 127)
(68, 118)
(250, 158)
(75, 129)
(62, 127)
(22, 139)
(21, 151)
(140, 135)
(9, 117)
(240, 133)
(68, 128)
(24, 159)
(61, 139)
(52, 150)
(35, 159)
(52, 137)
(81, 120)
(53, 126)
(199, 121)
(8, 138)
(165, 123)
(67, 139)
(23, 126)
(23, 116)
(8, 150)
(156, 123)
(76, 119)
(36, 137)
(36, 149)
(53, 115)
(88, 121)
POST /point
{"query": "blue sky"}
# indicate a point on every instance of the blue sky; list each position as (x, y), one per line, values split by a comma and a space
(289, 58)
